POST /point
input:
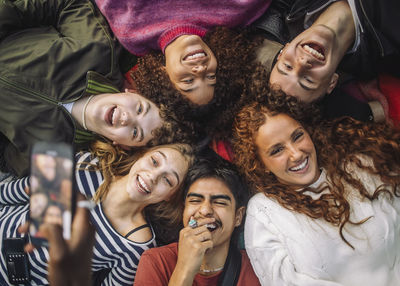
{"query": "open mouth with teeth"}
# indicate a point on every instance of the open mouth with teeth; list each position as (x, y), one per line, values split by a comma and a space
(302, 166)
(143, 188)
(110, 115)
(315, 50)
(213, 226)
(195, 55)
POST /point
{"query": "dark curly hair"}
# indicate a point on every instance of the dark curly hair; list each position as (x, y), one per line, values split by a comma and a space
(235, 54)
(341, 145)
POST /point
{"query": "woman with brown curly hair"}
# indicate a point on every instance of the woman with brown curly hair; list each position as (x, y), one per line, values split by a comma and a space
(176, 28)
(327, 208)
(234, 53)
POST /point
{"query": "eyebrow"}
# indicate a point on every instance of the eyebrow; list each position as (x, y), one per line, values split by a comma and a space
(280, 71)
(148, 108)
(213, 197)
(191, 89)
(141, 135)
(174, 172)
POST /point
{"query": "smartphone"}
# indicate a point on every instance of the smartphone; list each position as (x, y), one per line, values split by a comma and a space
(51, 189)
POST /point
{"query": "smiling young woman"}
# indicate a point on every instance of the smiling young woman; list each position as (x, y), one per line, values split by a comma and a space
(324, 194)
(136, 198)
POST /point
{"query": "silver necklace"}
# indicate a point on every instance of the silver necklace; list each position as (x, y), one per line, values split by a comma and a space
(84, 110)
(212, 270)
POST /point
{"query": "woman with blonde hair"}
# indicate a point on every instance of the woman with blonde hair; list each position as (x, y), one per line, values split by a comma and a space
(326, 209)
(131, 192)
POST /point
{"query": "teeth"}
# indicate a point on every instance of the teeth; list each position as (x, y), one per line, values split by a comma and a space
(195, 56)
(314, 52)
(211, 225)
(112, 116)
(300, 167)
(143, 185)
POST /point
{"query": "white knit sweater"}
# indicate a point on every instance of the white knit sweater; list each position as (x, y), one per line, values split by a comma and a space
(288, 248)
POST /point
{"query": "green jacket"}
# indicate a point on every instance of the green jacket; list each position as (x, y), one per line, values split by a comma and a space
(47, 48)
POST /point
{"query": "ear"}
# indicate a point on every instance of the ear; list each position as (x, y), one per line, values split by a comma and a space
(239, 216)
(130, 90)
(333, 83)
(281, 51)
(124, 147)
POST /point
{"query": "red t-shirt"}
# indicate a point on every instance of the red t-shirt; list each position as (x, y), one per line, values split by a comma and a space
(157, 264)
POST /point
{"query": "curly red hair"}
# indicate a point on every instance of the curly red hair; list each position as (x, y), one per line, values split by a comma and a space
(339, 144)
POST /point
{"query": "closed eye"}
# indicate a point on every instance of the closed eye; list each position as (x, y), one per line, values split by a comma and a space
(298, 135)
(168, 181)
(287, 66)
(308, 79)
(223, 203)
(276, 150)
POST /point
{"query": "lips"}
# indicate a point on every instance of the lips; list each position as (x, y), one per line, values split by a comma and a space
(315, 50)
(110, 115)
(300, 167)
(195, 55)
(142, 185)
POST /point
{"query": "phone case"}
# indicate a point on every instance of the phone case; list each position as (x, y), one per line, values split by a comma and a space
(51, 198)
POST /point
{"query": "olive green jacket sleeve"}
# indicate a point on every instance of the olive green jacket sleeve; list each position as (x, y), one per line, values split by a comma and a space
(47, 48)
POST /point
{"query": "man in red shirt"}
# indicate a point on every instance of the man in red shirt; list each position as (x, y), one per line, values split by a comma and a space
(207, 251)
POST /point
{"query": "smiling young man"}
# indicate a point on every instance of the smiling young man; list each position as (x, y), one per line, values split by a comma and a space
(207, 252)
(321, 37)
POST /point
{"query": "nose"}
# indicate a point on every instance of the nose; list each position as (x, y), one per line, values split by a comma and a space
(304, 62)
(199, 68)
(124, 119)
(295, 152)
(206, 209)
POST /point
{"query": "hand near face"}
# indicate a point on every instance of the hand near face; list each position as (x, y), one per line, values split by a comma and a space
(193, 244)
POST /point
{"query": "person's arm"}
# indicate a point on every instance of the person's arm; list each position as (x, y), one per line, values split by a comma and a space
(14, 192)
(70, 261)
(16, 15)
(268, 253)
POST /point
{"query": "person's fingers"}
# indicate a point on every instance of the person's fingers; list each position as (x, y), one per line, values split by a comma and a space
(82, 231)
(27, 190)
(23, 228)
(202, 221)
(57, 245)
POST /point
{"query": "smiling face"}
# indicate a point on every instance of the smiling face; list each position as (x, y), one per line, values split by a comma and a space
(211, 198)
(192, 66)
(127, 118)
(156, 175)
(286, 150)
(306, 66)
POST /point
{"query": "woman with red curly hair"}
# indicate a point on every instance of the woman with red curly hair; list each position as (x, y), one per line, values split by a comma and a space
(327, 208)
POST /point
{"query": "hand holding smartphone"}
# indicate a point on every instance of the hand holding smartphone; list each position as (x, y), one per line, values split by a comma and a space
(51, 199)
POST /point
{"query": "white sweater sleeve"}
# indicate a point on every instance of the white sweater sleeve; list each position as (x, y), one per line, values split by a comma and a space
(267, 250)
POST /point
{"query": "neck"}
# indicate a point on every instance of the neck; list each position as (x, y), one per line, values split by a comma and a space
(117, 205)
(339, 18)
(214, 259)
(78, 110)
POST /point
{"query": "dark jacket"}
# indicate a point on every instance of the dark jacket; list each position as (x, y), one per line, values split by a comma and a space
(378, 50)
(47, 48)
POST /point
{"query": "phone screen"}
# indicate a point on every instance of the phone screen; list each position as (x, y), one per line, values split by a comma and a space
(51, 193)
